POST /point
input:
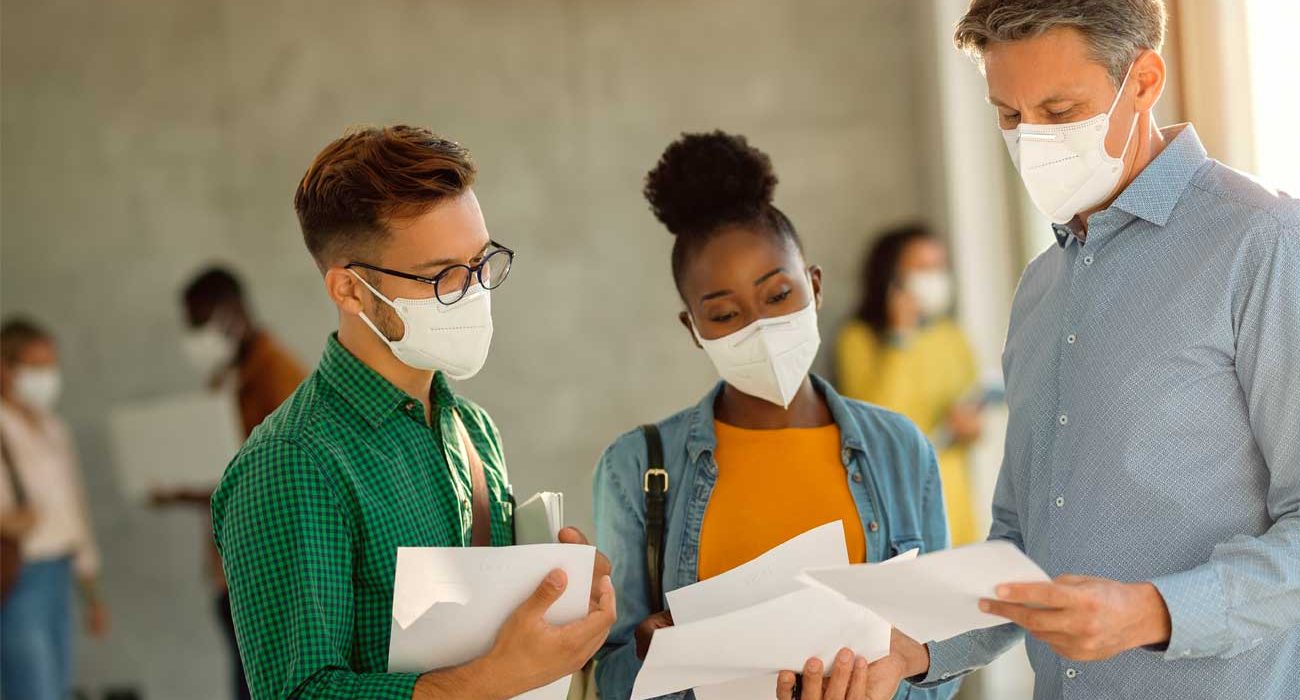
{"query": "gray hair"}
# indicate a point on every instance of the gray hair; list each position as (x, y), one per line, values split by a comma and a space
(1116, 31)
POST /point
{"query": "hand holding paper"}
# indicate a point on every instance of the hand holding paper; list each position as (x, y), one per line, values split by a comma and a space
(735, 631)
(490, 598)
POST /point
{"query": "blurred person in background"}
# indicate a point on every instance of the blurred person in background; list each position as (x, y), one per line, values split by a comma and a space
(904, 351)
(44, 521)
(232, 353)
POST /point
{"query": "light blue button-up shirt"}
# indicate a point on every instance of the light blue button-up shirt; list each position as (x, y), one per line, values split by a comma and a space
(1153, 379)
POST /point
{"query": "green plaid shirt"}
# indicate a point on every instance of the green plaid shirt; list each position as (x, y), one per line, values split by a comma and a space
(310, 513)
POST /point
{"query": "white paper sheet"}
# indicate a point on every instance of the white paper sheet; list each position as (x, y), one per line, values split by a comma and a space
(774, 573)
(449, 602)
(706, 610)
(761, 639)
(182, 441)
(936, 596)
(540, 518)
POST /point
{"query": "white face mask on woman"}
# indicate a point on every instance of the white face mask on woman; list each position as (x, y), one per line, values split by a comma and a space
(451, 338)
(932, 290)
(1065, 167)
(770, 357)
(38, 387)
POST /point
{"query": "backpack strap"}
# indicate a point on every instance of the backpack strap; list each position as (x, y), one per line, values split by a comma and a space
(655, 485)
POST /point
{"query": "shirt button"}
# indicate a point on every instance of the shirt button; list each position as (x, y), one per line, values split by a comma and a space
(1063, 419)
(1071, 338)
(1071, 673)
(1060, 501)
(873, 526)
(857, 477)
(1087, 260)
(946, 676)
(410, 405)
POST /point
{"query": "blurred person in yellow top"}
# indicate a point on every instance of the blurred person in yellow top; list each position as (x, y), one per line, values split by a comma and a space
(903, 351)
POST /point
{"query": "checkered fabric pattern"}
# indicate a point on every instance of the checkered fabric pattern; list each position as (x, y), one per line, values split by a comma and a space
(310, 513)
(1153, 378)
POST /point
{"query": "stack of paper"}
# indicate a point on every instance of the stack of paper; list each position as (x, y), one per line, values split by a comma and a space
(182, 441)
(449, 602)
(936, 596)
(733, 633)
(539, 519)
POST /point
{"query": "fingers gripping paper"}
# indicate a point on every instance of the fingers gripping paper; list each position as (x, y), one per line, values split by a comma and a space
(449, 602)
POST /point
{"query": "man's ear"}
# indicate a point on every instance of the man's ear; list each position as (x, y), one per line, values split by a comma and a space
(345, 290)
(685, 318)
(815, 275)
(1149, 74)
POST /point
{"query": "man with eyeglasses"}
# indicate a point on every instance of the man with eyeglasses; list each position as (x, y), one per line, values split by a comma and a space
(374, 450)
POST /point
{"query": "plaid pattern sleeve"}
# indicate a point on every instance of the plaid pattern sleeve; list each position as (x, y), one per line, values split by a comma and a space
(287, 545)
(309, 515)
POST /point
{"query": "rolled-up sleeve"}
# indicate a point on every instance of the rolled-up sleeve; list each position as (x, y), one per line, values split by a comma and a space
(1249, 589)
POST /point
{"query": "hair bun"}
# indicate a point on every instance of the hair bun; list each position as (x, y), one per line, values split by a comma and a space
(704, 181)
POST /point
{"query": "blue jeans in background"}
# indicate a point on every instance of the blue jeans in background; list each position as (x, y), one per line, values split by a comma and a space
(36, 633)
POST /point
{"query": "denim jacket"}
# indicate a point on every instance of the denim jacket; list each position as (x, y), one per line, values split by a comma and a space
(889, 466)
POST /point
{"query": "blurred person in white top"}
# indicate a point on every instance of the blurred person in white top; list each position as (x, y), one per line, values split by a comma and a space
(43, 509)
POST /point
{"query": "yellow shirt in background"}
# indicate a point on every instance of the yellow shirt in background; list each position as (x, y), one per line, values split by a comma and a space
(921, 379)
(773, 485)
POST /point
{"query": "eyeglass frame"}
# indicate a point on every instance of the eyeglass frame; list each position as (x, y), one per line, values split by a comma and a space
(475, 272)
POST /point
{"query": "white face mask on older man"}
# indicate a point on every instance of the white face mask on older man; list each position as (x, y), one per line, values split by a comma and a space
(1065, 167)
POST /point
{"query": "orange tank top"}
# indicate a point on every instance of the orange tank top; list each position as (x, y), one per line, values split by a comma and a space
(773, 485)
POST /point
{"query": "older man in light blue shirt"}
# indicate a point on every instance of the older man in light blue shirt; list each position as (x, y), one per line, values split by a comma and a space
(1153, 376)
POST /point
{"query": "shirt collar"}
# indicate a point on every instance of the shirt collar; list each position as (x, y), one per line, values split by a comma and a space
(1156, 190)
(369, 394)
(701, 438)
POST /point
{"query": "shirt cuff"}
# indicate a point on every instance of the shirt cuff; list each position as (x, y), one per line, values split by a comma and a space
(948, 660)
(1197, 613)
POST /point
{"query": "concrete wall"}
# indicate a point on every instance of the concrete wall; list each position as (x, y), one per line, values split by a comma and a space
(143, 139)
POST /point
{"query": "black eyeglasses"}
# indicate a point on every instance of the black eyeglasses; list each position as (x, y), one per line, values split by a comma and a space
(450, 284)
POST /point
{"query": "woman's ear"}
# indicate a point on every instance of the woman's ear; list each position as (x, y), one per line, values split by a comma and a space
(345, 290)
(815, 276)
(685, 318)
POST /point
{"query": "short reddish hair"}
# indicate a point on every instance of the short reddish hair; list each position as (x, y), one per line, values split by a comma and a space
(370, 177)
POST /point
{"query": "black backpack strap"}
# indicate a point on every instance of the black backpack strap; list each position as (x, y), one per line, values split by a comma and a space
(655, 485)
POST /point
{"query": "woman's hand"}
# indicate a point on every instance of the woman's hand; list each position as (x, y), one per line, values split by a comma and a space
(97, 619)
(965, 422)
(646, 630)
(849, 680)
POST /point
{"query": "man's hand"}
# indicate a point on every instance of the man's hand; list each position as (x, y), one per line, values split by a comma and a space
(1083, 617)
(529, 652)
(646, 631)
(602, 568)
